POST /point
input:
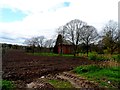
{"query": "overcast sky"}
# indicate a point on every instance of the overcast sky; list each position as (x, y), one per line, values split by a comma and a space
(21, 19)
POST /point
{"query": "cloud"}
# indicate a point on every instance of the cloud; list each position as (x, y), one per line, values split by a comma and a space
(9, 38)
(44, 16)
(33, 6)
(6, 38)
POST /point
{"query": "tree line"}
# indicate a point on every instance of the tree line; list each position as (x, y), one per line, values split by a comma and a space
(40, 42)
(79, 33)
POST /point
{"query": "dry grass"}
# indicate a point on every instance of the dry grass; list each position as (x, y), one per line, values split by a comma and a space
(109, 64)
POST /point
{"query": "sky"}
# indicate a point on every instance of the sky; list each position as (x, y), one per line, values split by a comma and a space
(22, 19)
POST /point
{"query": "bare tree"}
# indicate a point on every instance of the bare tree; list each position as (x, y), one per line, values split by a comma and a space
(111, 35)
(27, 42)
(35, 42)
(50, 43)
(62, 31)
(40, 41)
(88, 35)
(31, 42)
(72, 32)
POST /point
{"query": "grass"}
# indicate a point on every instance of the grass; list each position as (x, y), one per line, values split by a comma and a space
(106, 77)
(91, 56)
(45, 54)
(60, 83)
(51, 54)
(7, 85)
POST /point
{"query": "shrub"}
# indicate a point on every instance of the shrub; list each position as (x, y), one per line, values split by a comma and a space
(106, 51)
(116, 57)
(92, 56)
(102, 58)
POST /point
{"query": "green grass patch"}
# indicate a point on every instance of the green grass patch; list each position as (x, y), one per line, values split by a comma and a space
(60, 83)
(45, 54)
(104, 76)
(7, 85)
(51, 54)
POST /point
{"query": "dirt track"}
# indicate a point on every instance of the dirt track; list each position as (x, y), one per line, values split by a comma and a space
(19, 66)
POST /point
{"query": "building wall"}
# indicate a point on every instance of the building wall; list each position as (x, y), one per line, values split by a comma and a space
(65, 49)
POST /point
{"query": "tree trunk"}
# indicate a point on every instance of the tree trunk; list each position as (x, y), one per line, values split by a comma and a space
(87, 50)
(33, 48)
(74, 46)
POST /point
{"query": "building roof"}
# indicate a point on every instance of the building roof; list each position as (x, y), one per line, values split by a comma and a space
(61, 40)
(66, 42)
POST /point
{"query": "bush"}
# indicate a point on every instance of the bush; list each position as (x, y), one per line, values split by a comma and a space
(102, 58)
(116, 57)
(7, 85)
(92, 56)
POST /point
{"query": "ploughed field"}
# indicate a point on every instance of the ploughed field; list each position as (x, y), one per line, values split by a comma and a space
(20, 66)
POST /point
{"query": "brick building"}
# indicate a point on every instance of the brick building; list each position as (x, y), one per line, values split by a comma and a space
(63, 46)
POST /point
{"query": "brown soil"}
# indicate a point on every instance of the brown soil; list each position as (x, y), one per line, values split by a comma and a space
(77, 81)
(23, 68)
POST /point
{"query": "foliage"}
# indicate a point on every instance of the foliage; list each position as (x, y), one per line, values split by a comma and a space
(7, 85)
(100, 75)
(60, 83)
(94, 56)
(106, 51)
(102, 58)
(110, 36)
(116, 57)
